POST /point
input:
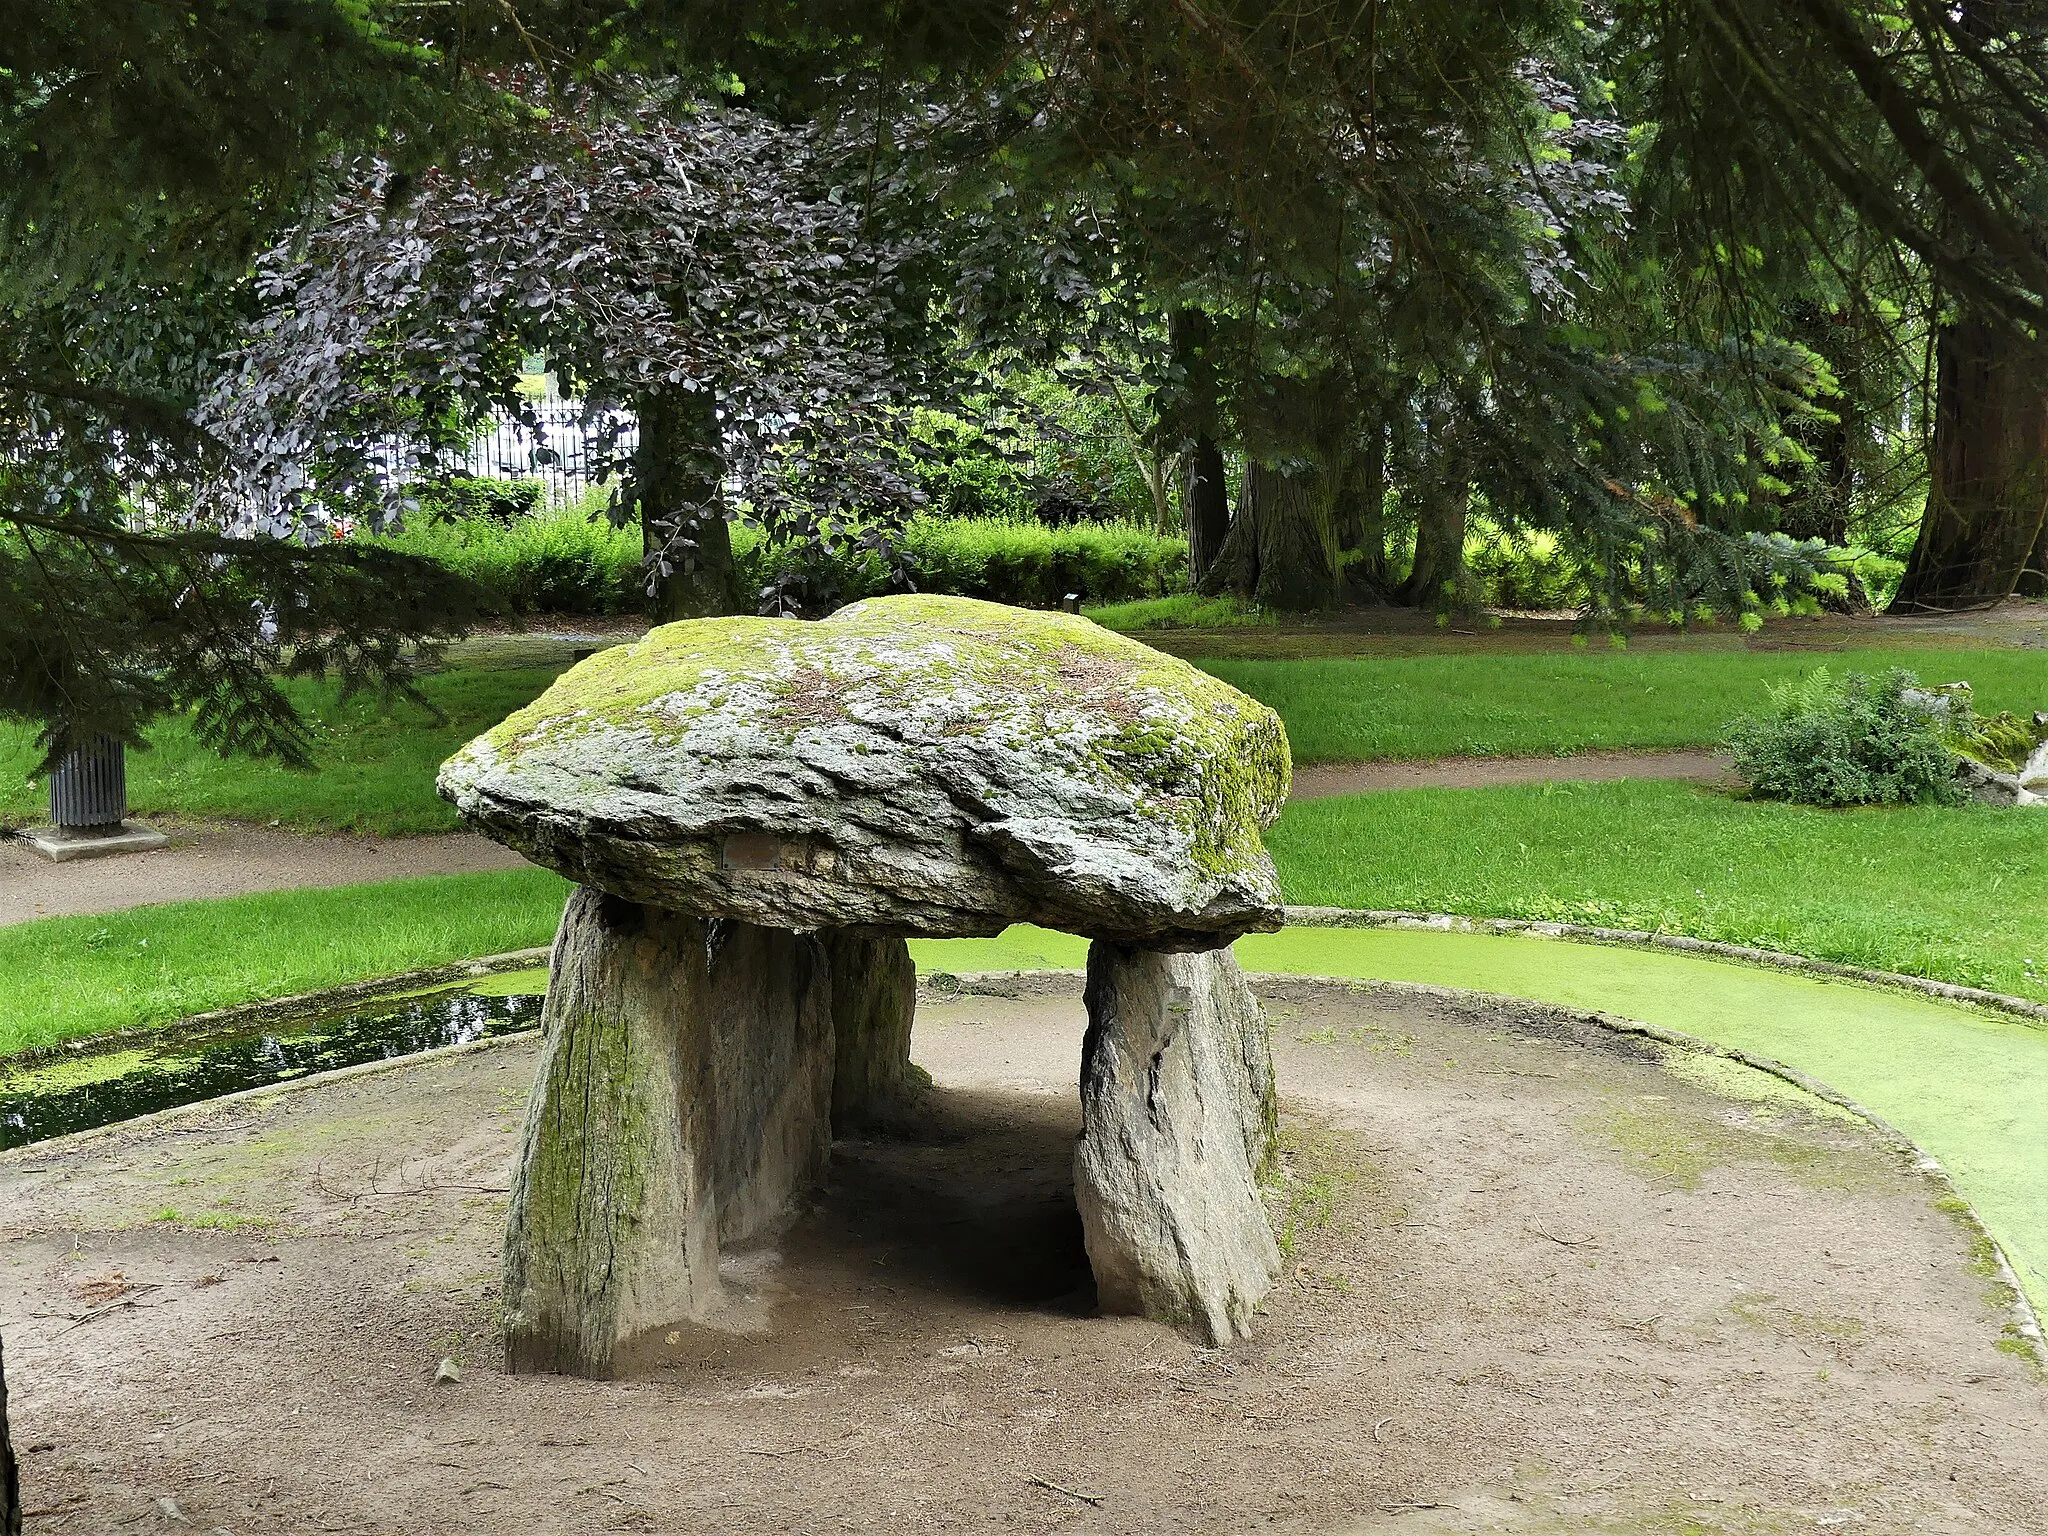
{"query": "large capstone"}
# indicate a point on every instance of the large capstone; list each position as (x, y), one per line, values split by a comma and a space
(910, 765)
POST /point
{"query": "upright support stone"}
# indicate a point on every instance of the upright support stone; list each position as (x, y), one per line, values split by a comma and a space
(1178, 1112)
(683, 1099)
(874, 996)
(766, 1024)
(612, 1228)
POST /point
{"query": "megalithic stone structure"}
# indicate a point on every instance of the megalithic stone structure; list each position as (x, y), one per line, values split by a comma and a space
(758, 814)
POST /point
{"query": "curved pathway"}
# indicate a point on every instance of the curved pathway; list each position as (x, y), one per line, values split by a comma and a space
(1969, 1086)
(228, 859)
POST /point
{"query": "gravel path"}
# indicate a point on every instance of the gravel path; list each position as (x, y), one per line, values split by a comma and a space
(225, 859)
(230, 859)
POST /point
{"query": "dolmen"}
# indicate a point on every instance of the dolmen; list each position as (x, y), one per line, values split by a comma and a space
(757, 813)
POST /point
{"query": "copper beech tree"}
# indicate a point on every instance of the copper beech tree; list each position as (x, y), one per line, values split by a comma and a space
(746, 294)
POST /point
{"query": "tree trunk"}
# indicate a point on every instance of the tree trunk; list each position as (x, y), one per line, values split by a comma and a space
(1193, 419)
(1362, 515)
(682, 518)
(1281, 551)
(1987, 496)
(10, 1481)
(1439, 578)
(1206, 497)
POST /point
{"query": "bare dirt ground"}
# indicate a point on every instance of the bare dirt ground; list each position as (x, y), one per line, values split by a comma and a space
(1316, 781)
(1540, 1280)
(227, 859)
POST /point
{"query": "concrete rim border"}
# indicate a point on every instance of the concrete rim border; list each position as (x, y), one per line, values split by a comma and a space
(1637, 938)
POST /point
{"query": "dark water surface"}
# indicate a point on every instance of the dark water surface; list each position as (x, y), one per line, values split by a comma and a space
(85, 1088)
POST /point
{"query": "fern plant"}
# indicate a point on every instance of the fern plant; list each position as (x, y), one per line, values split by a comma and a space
(1856, 741)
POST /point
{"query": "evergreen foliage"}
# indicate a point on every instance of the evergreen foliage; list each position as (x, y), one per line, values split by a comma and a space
(145, 148)
(1659, 279)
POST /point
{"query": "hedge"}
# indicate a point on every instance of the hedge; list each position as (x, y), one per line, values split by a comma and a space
(560, 561)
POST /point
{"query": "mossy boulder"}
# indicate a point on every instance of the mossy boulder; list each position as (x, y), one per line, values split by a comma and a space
(910, 765)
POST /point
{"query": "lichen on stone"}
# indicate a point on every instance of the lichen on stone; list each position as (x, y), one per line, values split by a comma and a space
(1072, 753)
(2004, 741)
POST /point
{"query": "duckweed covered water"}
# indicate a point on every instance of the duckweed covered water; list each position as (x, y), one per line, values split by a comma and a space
(83, 1089)
(1969, 1086)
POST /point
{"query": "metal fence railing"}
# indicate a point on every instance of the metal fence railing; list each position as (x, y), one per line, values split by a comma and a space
(558, 454)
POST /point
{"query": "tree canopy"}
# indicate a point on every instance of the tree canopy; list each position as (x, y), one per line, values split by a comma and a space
(1680, 280)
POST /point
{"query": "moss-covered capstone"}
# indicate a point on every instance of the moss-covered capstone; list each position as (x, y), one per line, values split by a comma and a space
(910, 765)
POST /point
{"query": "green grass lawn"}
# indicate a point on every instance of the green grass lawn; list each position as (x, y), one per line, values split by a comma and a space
(376, 766)
(1950, 894)
(1957, 895)
(1353, 709)
(65, 978)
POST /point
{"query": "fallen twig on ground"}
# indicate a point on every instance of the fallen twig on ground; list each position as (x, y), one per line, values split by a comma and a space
(1072, 1493)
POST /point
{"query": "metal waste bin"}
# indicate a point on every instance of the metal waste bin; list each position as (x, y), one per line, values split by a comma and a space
(89, 787)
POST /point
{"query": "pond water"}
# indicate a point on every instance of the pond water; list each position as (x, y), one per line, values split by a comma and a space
(87, 1088)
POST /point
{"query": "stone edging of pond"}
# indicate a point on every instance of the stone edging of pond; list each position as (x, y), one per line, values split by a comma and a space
(286, 1010)
(1442, 922)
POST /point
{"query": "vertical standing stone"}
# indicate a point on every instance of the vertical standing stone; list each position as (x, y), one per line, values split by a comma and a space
(874, 997)
(767, 1024)
(10, 1482)
(684, 1098)
(612, 1226)
(1178, 1111)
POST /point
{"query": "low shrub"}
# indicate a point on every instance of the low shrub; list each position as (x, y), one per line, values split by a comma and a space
(555, 561)
(563, 561)
(1184, 610)
(472, 497)
(1857, 741)
(1016, 560)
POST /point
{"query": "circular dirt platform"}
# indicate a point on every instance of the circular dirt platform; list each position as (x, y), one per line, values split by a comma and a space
(1540, 1277)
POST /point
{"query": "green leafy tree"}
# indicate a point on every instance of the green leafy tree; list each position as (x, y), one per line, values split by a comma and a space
(723, 278)
(1923, 122)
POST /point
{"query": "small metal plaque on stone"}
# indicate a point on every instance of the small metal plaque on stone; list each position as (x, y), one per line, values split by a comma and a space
(753, 850)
